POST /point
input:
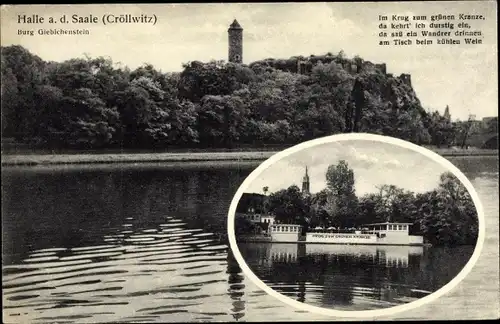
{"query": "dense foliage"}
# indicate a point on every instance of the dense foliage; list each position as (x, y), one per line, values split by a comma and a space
(94, 103)
(444, 216)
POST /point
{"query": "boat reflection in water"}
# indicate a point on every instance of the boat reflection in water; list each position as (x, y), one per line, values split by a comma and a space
(352, 277)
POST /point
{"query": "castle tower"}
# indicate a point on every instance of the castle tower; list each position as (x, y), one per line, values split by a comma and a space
(305, 184)
(235, 33)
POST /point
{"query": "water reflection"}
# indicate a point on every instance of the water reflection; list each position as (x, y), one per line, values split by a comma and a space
(353, 277)
(236, 287)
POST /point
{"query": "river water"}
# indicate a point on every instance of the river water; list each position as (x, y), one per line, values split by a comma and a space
(354, 277)
(132, 243)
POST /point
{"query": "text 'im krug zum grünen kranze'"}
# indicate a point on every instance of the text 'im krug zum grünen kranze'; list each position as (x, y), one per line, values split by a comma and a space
(438, 29)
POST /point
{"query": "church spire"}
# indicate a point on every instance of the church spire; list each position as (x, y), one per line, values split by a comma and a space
(306, 184)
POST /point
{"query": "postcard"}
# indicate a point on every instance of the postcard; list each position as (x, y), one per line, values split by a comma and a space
(255, 162)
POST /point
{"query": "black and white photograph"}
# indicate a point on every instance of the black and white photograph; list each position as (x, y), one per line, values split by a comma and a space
(356, 225)
(128, 131)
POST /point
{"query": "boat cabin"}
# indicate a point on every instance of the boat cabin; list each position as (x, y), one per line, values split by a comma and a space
(285, 228)
(285, 232)
(382, 229)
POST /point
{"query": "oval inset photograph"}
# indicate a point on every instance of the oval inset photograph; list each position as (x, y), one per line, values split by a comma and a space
(356, 225)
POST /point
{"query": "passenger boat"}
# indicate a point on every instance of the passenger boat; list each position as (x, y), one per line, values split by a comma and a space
(378, 234)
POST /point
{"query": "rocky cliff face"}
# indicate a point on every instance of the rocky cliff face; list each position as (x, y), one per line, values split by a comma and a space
(395, 89)
(379, 102)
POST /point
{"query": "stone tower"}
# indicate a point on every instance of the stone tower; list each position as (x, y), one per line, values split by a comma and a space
(305, 184)
(235, 33)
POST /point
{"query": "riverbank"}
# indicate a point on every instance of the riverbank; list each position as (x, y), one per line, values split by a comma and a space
(10, 160)
(48, 159)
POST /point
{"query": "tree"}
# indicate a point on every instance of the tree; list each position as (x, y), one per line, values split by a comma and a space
(358, 98)
(323, 206)
(442, 130)
(340, 184)
(214, 78)
(388, 194)
(211, 104)
(288, 206)
(53, 122)
(142, 112)
(340, 179)
(447, 215)
(22, 73)
(243, 226)
(368, 211)
(265, 206)
(89, 122)
(221, 120)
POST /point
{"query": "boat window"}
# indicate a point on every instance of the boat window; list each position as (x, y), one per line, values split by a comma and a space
(405, 227)
(400, 228)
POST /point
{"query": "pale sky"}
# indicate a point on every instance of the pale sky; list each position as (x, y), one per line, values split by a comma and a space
(374, 163)
(461, 76)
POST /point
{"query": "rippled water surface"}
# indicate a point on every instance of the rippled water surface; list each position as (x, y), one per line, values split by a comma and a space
(84, 244)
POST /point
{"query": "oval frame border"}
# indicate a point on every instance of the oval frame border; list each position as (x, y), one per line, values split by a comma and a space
(367, 313)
